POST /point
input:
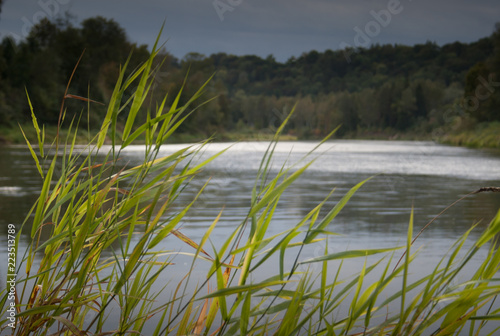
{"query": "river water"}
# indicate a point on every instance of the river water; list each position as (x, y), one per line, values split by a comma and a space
(422, 176)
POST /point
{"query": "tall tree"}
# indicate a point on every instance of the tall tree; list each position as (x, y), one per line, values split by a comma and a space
(482, 96)
(420, 101)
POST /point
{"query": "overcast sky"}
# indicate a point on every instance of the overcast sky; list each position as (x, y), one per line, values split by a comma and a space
(283, 28)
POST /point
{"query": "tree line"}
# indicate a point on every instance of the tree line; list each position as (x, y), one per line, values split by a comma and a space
(382, 89)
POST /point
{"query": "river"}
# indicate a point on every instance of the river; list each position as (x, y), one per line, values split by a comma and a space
(422, 176)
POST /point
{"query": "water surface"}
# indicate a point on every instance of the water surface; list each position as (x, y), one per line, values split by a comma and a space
(422, 176)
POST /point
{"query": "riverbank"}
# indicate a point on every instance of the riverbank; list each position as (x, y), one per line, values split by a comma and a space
(482, 136)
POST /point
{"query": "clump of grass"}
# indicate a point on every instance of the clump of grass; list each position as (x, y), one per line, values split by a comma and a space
(106, 221)
(485, 135)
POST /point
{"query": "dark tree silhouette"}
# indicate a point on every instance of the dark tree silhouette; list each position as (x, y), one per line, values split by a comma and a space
(386, 88)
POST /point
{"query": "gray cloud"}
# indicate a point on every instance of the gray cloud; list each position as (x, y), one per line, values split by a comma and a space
(282, 28)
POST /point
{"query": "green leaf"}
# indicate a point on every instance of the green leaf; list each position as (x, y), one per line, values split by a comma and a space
(333, 213)
(33, 154)
(139, 97)
(35, 125)
(491, 232)
(272, 194)
(242, 289)
(37, 221)
(73, 328)
(350, 254)
(245, 314)
(113, 106)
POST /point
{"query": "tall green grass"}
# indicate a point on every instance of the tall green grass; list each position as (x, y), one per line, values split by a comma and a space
(100, 270)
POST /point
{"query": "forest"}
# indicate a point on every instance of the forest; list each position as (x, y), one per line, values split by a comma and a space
(384, 91)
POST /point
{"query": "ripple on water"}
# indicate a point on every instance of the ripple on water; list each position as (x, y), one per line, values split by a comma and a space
(12, 191)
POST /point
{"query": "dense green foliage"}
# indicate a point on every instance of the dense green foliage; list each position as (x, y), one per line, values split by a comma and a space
(482, 85)
(44, 62)
(384, 89)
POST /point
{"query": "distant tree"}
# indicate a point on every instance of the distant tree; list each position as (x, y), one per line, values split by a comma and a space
(368, 116)
(348, 112)
(43, 35)
(193, 57)
(105, 40)
(495, 59)
(421, 104)
(482, 93)
(384, 86)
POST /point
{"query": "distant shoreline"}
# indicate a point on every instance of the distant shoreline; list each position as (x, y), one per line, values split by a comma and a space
(482, 136)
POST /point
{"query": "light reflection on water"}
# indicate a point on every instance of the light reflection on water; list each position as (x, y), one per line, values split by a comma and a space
(421, 176)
